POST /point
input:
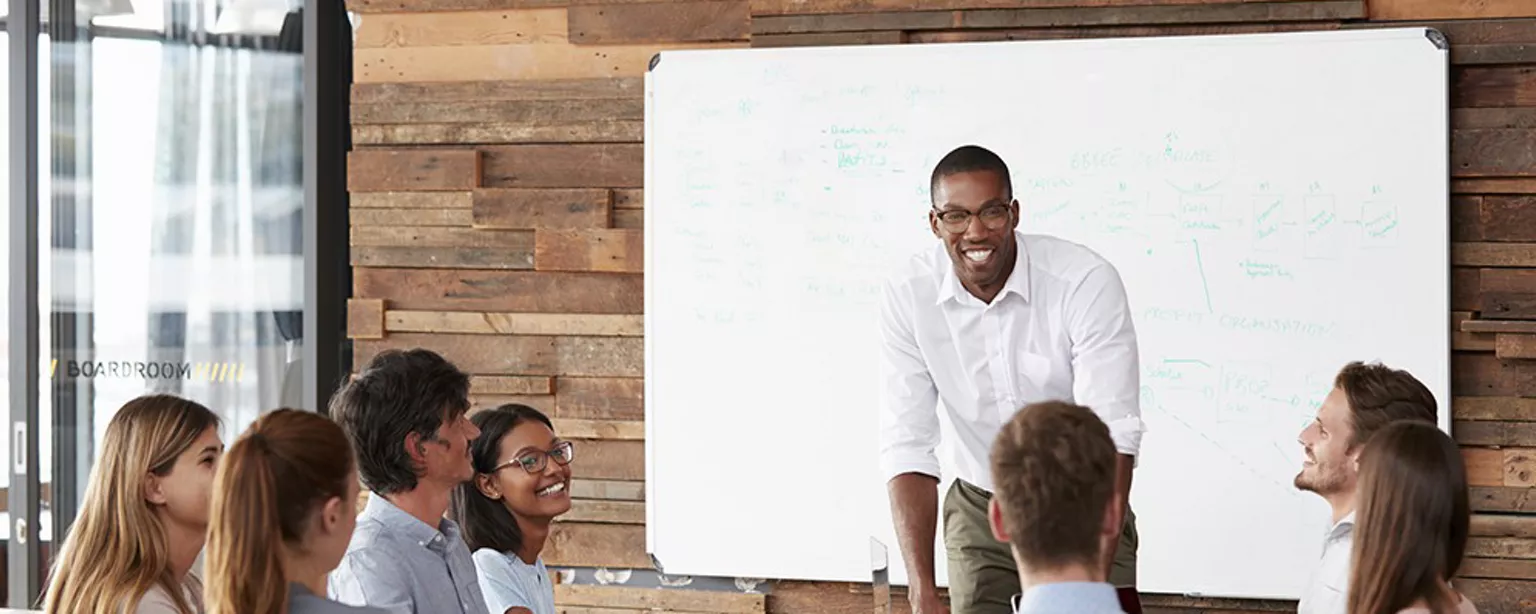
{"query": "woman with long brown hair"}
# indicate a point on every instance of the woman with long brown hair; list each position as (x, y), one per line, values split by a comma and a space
(284, 506)
(145, 514)
(1411, 523)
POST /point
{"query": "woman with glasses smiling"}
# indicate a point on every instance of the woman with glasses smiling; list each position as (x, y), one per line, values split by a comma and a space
(522, 482)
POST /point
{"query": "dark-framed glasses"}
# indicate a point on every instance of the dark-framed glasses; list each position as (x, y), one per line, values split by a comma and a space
(994, 217)
(534, 461)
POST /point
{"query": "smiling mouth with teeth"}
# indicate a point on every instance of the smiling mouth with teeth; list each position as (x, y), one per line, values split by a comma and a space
(978, 255)
(552, 489)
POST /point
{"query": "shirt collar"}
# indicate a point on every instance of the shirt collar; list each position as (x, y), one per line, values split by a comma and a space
(1077, 597)
(1343, 526)
(949, 287)
(411, 527)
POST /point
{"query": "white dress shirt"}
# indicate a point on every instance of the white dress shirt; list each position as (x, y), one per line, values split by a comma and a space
(1060, 329)
(1328, 591)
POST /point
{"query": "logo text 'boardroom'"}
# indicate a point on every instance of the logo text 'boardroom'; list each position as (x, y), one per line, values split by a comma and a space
(206, 371)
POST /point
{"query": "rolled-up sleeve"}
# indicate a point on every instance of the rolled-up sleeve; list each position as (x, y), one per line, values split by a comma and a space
(909, 419)
(1106, 368)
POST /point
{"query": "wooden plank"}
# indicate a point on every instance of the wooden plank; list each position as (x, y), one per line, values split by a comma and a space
(401, 6)
(861, 22)
(1450, 9)
(601, 398)
(574, 544)
(1494, 117)
(415, 169)
(1508, 218)
(655, 22)
(1503, 499)
(1494, 254)
(810, 7)
(1469, 342)
(510, 62)
(1008, 34)
(1520, 468)
(662, 600)
(601, 459)
(485, 92)
(1485, 466)
(483, 402)
(409, 200)
(623, 430)
(1169, 14)
(790, 597)
(829, 39)
(1495, 433)
(411, 217)
(1465, 283)
(632, 198)
(1503, 596)
(1493, 86)
(1502, 153)
(604, 250)
(1503, 525)
(565, 166)
(615, 512)
(597, 131)
(631, 219)
(611, 490)
(509, 27)
(511, 385)
(1497, 569)
(1499, 326)
(442, 258)
(365, 318)
(502, 291)
(437, 236)
(1485, 375)
(1493, 186)
(558, 110)
(550, 209)
(1466, 214)
(523, 355)
(1493, 54)
(1515, 346)
(499, 323)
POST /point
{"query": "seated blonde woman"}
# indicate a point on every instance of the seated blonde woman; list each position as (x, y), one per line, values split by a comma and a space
(145, 514)
(284, 506)
(1411, 523)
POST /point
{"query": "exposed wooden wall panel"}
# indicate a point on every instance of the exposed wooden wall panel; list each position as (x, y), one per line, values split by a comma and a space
(615, 512)
(596, 545)
(1037, 17)
(1045, 33)
(609, 459)
(813, 7)
(501, 291)
(501, 62)
(523, 355)
(549, 209)
(1494, 408)
(558, 110)
(484, 91)
(400, 6)
(410, 217)
(509, 27)
(600, 398)
(649, 599)
(402, 170)
(1450, 9)
(511, 385)
(655, 22)
(1500, 153)
(621, 430)
(598, 131)
(1494, 86)
(365, 318)
(828, 39)
(443, 257)
(610, 490)
(564, 166)
(483, 323)
(608, 250)
(431, 201)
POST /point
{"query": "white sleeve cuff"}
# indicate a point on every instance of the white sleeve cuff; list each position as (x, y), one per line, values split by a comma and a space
(1127, 434)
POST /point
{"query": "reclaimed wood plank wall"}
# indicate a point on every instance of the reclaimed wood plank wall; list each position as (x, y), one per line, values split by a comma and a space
(496, 217)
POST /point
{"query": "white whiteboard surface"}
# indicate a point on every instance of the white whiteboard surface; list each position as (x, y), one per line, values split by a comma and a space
(1276, 205)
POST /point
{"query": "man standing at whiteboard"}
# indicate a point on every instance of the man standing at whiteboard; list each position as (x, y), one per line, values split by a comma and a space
(987, 321)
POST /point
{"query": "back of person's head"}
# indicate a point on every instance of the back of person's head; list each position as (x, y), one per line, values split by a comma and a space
(117, 548)
(286, 489)
(397, 394)
(1379, 395)
(970, 159)
(1412, 521)
(486, 522)
(1053, 465)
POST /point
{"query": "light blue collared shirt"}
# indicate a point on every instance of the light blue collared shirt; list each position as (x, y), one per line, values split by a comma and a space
(402, 565)
(1069, 598)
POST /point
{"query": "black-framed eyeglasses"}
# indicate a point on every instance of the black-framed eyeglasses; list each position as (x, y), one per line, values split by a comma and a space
(994, 217)
(534, 461)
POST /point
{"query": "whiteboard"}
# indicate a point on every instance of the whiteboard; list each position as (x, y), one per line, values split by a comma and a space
(1276, 205)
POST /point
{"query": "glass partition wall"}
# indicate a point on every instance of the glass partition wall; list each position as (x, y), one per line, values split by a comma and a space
(170, 228)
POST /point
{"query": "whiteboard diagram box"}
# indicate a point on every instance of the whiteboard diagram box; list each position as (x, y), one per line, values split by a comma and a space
(1379, 224)
(1324, 230)
(1275, 226)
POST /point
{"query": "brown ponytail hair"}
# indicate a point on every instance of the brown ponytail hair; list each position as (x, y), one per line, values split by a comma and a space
(1412, 520)
(269, 486)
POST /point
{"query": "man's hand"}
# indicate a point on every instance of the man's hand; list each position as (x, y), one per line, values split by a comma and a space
(927, 602)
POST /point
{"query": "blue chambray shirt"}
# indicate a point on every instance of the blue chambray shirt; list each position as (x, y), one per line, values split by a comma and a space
(1069, 598)
(402, 565)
